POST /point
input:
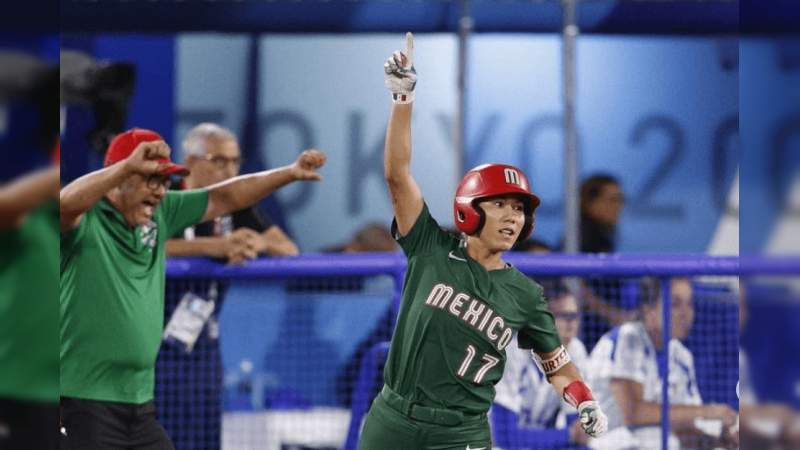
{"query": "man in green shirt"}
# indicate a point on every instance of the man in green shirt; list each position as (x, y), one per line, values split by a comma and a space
(29, 311)
(462, 304)
(29, 95)
(114, 225)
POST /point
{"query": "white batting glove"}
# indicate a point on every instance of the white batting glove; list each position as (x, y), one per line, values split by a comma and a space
(399, 74)
(593, 420)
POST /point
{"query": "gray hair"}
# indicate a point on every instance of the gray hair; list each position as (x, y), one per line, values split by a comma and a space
(195, 142)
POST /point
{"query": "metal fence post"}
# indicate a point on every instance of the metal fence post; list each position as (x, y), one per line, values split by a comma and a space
(663, 362)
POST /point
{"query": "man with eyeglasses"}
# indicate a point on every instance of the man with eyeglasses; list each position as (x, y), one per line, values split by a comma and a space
(212, 155)
(114, 226)
(211, 152)
(526, 412)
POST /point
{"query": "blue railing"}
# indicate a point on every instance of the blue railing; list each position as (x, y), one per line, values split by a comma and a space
(544, 265)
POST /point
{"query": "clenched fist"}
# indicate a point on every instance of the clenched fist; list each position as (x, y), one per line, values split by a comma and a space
(148, 158)
(306, 165)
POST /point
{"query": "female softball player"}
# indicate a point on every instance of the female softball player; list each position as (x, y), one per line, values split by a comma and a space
(462, 304)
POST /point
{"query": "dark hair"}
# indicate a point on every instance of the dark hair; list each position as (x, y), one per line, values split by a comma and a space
(374, 237)
(649, 293)
(592, 186)
(554, 288)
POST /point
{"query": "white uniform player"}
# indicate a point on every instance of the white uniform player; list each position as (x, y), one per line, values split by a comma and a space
(524, 389)
(627, 380)
(627, 352)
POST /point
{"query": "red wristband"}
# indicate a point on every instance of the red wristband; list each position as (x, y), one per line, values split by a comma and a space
(577, 392)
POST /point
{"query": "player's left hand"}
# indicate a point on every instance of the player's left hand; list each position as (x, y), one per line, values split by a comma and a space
(306, 165)
(399, 73)
(593, 420)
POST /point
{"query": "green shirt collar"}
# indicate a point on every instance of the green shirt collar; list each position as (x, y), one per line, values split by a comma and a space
(106, 206)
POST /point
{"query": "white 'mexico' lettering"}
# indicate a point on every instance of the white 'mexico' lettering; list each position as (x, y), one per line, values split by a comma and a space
(496, 322)
(477, 314)
(439, 293)
(505, 339)
(474, 311)
(458, 301)
(486, 318)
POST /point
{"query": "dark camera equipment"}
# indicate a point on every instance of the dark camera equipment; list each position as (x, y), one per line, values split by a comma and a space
(105, 87)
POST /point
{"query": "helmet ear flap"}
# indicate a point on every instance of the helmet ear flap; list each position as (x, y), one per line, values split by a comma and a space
(481, 217)
(468, 217)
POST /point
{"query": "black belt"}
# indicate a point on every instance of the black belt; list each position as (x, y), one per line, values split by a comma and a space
(438, 416)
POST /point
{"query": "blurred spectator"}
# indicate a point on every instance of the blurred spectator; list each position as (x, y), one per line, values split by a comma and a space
(601, 202)
(29, 311)
(625, 376)
(603, 308)
(773, 426)
(29, 252)
(212, 155)
(527, 413)
(372, 237)
(195, 421)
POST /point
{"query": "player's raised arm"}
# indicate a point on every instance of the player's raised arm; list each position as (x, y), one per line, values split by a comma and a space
(401, 79)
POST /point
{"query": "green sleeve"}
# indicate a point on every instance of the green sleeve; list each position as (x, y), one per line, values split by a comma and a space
(183, 208)
(540, 333)
(424, 236)
(71, 238)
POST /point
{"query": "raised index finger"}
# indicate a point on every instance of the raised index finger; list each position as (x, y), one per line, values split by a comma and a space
(409, 49)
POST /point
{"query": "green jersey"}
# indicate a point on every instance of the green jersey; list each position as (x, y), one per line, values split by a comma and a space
(455, 321)
(112, 298)
(29, 307)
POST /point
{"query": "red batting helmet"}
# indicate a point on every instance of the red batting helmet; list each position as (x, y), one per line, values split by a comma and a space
(489, 180)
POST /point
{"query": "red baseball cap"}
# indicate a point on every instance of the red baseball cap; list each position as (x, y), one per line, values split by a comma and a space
(125, 143)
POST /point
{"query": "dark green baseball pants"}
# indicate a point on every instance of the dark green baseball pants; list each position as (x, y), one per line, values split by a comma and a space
(394, 424)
